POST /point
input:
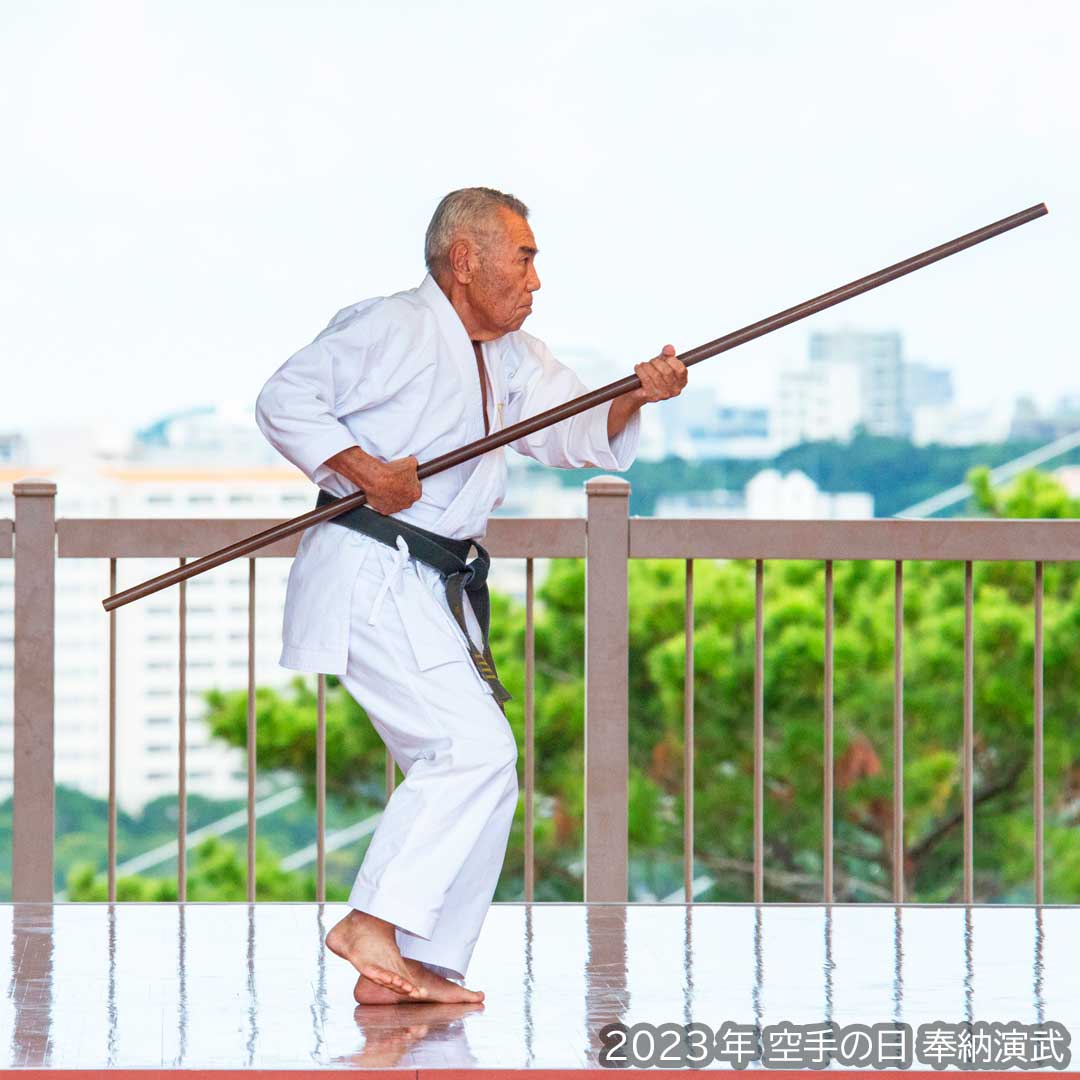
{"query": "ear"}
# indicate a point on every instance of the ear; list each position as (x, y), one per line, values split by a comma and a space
(462, 261)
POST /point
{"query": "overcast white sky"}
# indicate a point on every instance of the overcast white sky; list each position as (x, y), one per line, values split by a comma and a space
(191, 190)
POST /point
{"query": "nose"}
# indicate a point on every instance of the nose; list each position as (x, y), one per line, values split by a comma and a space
(534, 281)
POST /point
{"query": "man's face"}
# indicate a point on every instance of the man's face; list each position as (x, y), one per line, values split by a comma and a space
(501, 290)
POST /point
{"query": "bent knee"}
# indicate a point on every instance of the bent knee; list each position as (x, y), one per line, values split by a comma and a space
(495, 755)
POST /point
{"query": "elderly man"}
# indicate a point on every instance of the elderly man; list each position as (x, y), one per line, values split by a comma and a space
(392, 381)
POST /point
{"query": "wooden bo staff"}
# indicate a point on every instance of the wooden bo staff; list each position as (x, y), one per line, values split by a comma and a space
(578, 405)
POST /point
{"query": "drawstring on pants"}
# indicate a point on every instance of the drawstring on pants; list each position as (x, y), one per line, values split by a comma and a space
(392, 578)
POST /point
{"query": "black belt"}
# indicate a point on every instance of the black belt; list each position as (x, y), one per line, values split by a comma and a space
(447, 556)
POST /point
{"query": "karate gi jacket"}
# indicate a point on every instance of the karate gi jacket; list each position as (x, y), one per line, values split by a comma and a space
(397, 376)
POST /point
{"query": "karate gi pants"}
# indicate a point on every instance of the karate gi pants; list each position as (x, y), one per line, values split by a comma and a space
(434, 860)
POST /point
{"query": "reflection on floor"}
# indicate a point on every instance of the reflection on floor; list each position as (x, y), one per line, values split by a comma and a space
(233, 986)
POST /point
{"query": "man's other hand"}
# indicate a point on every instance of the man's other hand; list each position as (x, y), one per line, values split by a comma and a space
(390, 486)
(394, 486)
(662, 377)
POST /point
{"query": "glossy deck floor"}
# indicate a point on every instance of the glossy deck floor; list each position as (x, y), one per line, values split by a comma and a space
(233, 986)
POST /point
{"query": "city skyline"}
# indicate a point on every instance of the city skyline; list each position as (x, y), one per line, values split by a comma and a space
(806, 403)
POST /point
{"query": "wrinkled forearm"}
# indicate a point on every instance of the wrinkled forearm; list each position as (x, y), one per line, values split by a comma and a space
(356, 465)
(622, 408)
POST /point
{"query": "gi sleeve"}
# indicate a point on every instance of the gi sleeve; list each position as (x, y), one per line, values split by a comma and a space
(298, 410)
(541, 382)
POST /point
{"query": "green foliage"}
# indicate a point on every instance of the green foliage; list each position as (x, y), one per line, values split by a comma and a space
(285, 735)
(1031, 495)
(793, 707)
(82, 831)
(217, 871)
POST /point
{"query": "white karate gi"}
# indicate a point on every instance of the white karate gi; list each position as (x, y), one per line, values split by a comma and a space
(396, 376)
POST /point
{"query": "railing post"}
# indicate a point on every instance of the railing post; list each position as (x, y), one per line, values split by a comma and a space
(607, 642)
(35, 587)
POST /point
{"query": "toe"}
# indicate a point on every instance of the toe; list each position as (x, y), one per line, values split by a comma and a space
(390, 980)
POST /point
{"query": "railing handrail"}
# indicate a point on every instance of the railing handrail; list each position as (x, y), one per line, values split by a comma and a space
(175, 538)
(952, 539)
(959, 540)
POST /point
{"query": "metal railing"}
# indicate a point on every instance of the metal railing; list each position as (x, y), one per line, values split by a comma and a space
(607, 538)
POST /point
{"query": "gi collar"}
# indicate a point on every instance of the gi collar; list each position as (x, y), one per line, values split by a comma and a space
(449, 321)
(453, 330)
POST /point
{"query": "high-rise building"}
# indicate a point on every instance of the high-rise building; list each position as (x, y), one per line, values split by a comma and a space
(858, 379)
(878, 361)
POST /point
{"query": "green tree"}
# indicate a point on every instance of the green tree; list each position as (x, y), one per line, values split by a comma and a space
(285, 735)
(217, 871)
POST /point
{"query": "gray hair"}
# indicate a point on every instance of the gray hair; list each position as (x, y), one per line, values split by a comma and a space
(465, 210)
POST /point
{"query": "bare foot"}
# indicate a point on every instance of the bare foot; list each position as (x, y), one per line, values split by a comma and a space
(367, 992)
(370, 946)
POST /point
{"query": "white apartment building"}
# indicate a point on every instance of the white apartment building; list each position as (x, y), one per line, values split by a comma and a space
(818, 403)
(770, 494)
(952, 425)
